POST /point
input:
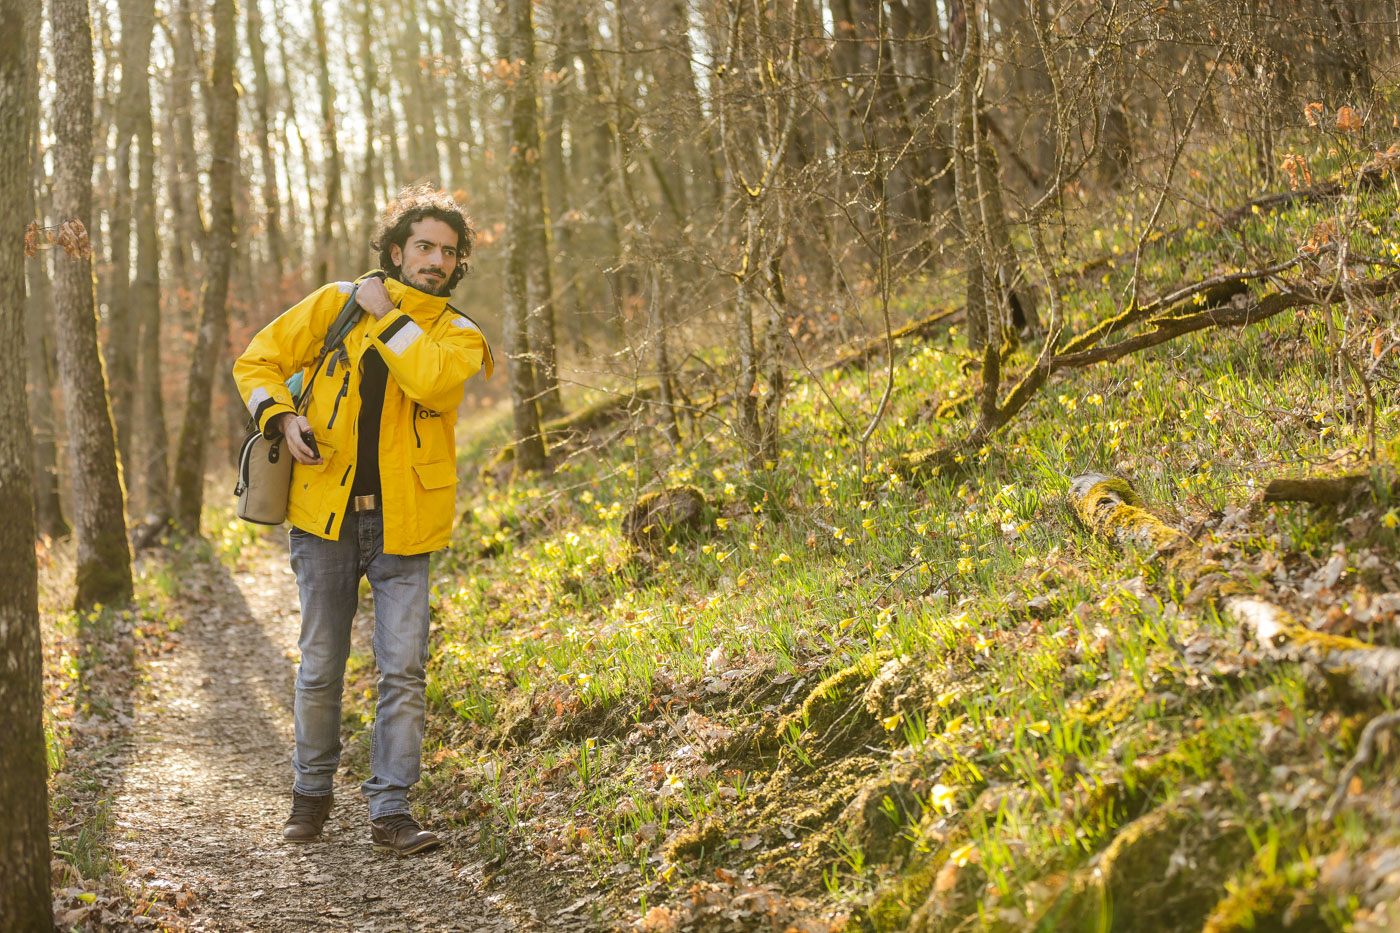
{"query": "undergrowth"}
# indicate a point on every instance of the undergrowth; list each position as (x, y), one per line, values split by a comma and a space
(941, 703)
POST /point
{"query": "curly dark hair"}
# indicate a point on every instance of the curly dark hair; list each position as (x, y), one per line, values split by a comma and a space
(412, 205)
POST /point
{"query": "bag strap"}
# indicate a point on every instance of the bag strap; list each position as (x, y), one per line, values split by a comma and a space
(335, 335)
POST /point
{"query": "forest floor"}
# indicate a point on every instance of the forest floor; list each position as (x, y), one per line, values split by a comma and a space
(199, 783)
(836, 693)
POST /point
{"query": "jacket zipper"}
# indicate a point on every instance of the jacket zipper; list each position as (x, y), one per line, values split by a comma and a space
(418, 439)
(335, 410)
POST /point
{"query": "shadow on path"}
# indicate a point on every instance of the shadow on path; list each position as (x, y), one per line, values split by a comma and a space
(209, 785)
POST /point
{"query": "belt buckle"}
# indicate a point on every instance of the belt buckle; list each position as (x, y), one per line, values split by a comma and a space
(364, 503)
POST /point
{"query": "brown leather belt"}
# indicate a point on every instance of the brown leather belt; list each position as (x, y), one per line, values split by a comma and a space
(364, 503)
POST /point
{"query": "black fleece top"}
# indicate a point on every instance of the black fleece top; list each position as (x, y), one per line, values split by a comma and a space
(373, 376)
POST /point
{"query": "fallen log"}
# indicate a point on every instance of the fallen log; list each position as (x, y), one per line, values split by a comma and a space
(559, 432)
(1111, 508)
(922, 329)
(1328, 490)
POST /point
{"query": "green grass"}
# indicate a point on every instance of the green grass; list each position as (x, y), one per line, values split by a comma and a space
(1045, 703)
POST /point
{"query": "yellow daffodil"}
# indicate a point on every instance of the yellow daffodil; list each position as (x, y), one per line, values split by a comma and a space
(964, 854)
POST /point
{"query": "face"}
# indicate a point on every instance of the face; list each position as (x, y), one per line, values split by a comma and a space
(428, 257)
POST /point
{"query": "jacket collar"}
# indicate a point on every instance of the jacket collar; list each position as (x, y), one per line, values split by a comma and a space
(419, 305)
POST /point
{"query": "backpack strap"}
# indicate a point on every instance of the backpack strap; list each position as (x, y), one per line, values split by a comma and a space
(335, 335)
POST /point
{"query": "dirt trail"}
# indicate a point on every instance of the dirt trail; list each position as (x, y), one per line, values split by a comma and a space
(208, 786)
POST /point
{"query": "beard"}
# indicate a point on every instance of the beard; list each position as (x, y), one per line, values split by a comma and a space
(437, 288)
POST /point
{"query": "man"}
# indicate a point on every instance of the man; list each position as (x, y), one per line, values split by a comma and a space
(373, 496)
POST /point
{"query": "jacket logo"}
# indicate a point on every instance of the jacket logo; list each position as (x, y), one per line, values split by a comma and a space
(424, 413)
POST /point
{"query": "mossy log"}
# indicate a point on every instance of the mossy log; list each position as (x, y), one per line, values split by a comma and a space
(1131, 884)
(663, 516)
(1111, 508)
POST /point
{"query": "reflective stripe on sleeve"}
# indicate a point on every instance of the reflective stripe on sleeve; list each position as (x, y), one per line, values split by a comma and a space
(404, 338)
(256, 399)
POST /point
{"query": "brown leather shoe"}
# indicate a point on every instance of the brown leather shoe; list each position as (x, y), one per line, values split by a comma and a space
(400, 833)
(308, 816)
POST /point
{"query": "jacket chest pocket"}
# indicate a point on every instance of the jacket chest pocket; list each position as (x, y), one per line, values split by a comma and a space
(429, 436)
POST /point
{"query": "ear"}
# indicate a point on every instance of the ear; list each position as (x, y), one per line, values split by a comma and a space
(396, 254)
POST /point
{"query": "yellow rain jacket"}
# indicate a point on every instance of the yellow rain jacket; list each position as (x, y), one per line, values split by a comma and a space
(430, 349)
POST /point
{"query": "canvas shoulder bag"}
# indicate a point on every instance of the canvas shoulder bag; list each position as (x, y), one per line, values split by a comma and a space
(264, 463)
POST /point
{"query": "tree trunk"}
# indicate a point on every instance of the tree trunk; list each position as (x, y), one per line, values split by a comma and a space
(290, 119)
(1016, 296)
(213, 298)
(966, 36)
(186, 76)
(420, 111)
(456, 87)
(369, 89)
(660, 341)
(748, 352)
(180, 257)
(569, 297)
(43, 364)
(257, 51)
(598, 143)
(137, 21)
(24, 834)
(523, 132)
(154, 465)
(326, 249)
(525, 140)
(104, 561)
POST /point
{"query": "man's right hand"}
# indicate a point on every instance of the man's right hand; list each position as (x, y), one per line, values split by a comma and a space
(292, 425)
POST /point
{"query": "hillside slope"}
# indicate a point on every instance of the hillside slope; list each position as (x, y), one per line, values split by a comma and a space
(841, 693)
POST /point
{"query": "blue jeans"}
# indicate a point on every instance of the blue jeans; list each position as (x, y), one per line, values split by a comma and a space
(328, 577)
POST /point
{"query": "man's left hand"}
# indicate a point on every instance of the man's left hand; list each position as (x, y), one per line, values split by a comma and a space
(374, 297)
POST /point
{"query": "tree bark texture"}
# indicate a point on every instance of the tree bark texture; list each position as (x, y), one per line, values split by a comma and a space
(272, 203)
(326, 248)
(525, 172)
(25, 904)
(967, 34)
(104, 560)
(369, 91)
(213, 297)
(529, 443)
(39, 347)
(153, 465)
(189, 213)
(562, 99)
(137, 22)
